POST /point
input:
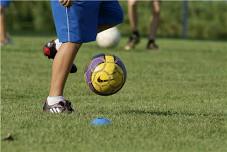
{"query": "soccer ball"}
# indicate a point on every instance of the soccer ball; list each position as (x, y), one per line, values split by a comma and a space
(105, 74)
(108, 38)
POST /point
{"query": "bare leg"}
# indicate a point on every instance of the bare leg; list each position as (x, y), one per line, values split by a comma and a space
(134, 38)
(61, 66)
(3, 36)
(132, 13)
(155, 21)
(151, 45)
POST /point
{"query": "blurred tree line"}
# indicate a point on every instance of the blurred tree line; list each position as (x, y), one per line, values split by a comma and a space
(207, 19)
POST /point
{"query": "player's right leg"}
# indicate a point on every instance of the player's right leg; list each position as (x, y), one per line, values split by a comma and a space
(134, 38)
(110, 15)
(4, 39)
(151, 45)
(2, 25)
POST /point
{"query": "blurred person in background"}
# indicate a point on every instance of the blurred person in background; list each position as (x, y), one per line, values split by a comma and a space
(4, 39)
(134, 38)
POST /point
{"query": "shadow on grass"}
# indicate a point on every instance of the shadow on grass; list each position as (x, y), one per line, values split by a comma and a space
(171, 113)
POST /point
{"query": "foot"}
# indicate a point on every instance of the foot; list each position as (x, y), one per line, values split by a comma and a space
(60, 107)
(7, 41)
(50, 51)
(151, 45)
(134, 39)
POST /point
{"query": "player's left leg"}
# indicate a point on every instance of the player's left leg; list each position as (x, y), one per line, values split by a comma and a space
(154, 25)
(56, 103)
(61, 67)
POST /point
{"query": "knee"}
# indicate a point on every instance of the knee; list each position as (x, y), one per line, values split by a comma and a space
(2, 10)
(156, 11)
(156, 8)
(73, 46)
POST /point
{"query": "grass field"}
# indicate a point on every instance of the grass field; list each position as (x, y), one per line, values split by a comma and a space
(174, 100)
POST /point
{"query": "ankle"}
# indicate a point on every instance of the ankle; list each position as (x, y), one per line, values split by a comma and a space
(51, 100)
(151, 41)
(136, 33)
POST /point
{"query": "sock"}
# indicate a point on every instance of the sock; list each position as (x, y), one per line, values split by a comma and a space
(58, 44)
(51, 100)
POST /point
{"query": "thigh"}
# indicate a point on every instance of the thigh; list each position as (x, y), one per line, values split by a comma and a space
(110, 13)
(77, 23)
(4, 3)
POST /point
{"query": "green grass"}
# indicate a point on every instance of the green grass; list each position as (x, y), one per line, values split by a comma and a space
(174, 100)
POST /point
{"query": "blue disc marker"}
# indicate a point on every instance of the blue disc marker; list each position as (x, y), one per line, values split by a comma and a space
(100, 121)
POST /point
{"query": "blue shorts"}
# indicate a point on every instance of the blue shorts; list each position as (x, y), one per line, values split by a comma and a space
(4, 3)
(79, 23)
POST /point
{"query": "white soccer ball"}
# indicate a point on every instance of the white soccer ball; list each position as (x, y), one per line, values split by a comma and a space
(108, 38)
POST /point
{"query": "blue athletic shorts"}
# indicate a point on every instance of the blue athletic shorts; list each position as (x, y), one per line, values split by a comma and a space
(79, 22)
(4, 3)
